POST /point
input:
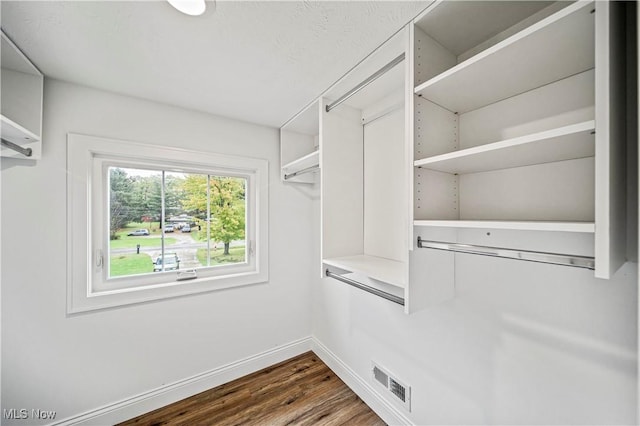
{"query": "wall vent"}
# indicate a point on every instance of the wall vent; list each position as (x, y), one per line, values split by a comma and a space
(398, 390)
(380, 376)
(401, 393)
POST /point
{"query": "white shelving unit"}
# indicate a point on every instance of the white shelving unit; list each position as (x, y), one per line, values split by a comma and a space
(502, 129)
(512, 130)
(302, 165)
(21, 109)
(365, 173)
(299, 151)
(557, 47)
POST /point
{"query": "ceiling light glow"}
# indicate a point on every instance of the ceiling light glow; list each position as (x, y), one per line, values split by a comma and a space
(189, 7)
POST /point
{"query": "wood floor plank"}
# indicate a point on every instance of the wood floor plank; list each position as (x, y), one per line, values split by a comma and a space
(300, 391)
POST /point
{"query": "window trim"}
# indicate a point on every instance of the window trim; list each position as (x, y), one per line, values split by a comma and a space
(86, 158)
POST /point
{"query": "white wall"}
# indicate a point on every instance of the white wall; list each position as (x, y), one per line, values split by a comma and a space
(73, 364)
(522, 343)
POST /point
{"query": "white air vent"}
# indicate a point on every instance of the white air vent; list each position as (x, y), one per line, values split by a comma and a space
(401, 393)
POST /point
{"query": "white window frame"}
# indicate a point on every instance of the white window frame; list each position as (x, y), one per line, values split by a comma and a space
(88, 160)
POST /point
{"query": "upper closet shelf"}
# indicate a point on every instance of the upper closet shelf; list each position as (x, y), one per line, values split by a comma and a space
(16, 133)
(388, 271)
(308, 163)
(555, 48)
(564, 143)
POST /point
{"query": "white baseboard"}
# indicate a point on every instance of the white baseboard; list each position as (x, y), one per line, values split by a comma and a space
(360, 386)
(159, 397)
(148, 401)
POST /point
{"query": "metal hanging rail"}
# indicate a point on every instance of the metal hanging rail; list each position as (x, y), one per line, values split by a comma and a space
(301, 172)
(24, 151)
(373, 77)
(392, 297)
(530, 256)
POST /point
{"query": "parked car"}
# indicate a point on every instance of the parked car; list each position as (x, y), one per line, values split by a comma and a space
(138, 232)
(186, 228)
(170, 260)
(168, 228)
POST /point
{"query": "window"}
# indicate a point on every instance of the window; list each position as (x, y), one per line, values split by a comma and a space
(148, 222)
(163, 220)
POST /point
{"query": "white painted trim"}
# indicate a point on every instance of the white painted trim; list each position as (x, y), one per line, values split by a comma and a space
(360, 386)
(159, 397)
(86, 224)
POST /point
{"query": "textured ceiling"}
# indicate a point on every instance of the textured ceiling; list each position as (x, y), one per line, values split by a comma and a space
(260, 62)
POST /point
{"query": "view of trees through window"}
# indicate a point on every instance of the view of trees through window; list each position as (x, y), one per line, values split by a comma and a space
(161, 221)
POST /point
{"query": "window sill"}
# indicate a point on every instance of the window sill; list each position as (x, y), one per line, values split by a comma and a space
(106, 299)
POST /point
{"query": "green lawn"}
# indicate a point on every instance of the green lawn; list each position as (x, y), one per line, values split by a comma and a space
(198, 235)
(236, 255)
(130, 264)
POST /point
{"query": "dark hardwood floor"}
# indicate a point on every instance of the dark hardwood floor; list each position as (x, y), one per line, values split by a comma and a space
(299, 391)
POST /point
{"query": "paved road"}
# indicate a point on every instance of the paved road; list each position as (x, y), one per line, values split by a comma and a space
(185, 247)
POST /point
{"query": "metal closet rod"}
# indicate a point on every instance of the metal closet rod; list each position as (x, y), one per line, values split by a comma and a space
(373, 77)
(24, 151)
(301, 172)
(392, 297)
(531, 256)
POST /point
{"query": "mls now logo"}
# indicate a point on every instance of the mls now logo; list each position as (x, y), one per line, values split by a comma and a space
(15, 413)
(23, 414)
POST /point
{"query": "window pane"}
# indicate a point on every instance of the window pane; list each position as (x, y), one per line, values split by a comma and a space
(135, 211)
(221, 239)
(196, 220)
(183, 193)
(227, 220)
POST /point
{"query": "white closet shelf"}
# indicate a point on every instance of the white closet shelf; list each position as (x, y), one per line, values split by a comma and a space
(564, 143)
(583, 227)
(302, 164)
(552, 49)
(309, 160)
(13, 132)
(389, 271)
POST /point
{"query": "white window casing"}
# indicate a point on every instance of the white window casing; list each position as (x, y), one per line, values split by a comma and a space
(88, 161)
